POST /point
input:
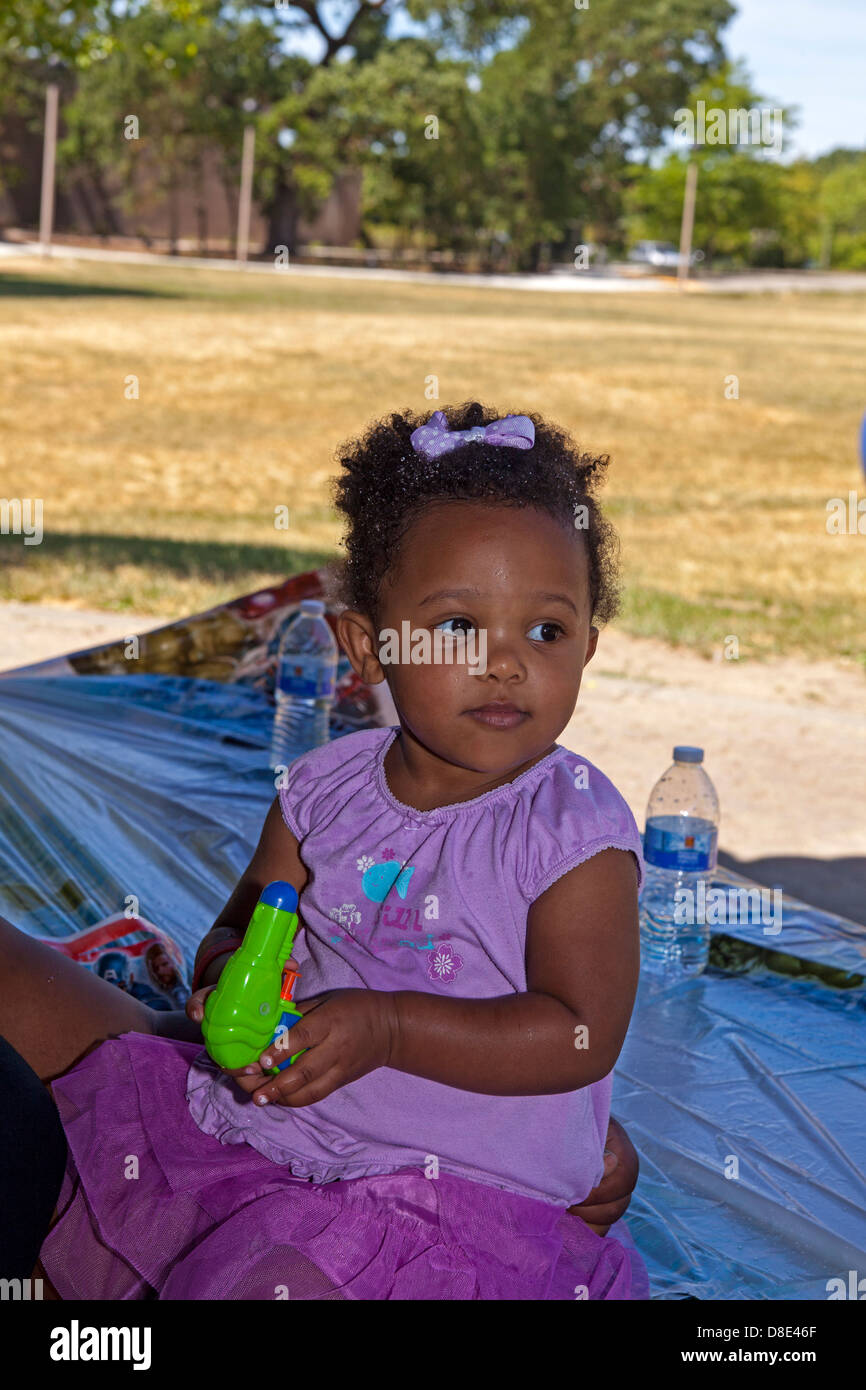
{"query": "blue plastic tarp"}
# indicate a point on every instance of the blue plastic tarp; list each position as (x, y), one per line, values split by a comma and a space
(743, 1090)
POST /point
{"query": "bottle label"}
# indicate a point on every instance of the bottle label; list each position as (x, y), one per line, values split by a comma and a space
(305, 678)
(691, 851)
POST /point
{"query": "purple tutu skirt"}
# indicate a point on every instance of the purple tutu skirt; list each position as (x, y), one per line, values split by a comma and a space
(151, 1207)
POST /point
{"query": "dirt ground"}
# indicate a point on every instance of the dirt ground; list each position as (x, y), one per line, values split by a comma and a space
(784, 741)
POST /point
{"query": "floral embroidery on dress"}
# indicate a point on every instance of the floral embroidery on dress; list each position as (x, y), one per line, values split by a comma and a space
(347, 915)
(444, 964)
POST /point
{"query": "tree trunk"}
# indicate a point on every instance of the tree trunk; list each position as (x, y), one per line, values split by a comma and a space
(230, 190)
(825, 259)
(283, 218)
(201, 206)
(93, 201)
(172, 214)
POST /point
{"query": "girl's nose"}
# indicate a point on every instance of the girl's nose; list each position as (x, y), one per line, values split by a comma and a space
(503, 661)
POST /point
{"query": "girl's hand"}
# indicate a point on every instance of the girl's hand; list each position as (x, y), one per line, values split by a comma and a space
(195, 1003)
(348, 1032)
(607, 1202)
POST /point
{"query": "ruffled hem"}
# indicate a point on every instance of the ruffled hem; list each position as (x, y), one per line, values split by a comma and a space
(153, 1208)
(211, 1121)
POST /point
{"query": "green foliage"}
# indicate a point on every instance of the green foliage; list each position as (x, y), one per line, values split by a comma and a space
(406, 120)
(746, 203)
(595, 85)
(510, 128)
(184, 72)
(62, 31)
(842, 206)
(736, 207)
(755, 212)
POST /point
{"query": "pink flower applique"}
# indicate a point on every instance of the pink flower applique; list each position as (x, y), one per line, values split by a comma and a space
(444, 964)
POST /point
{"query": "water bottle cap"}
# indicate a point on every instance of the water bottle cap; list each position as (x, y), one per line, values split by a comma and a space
(312, 605)
(685, 753)
(280, 894)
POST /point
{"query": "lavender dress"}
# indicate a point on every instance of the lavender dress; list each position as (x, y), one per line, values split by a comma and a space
(393, 1187)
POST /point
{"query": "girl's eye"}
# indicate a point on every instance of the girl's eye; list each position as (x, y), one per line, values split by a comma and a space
(467, 621)
(548, 632)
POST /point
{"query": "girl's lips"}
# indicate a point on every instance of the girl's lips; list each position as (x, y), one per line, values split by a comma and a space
(498, 716)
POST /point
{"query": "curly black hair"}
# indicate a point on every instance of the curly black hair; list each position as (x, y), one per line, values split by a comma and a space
(385, 485)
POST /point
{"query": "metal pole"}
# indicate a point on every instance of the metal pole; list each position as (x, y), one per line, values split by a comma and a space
(688, 221)
(245, 201)
(49, 148)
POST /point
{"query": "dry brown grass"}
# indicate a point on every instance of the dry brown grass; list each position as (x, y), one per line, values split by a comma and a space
(247, 384)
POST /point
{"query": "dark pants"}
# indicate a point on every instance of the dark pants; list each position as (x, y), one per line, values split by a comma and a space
(32, 1162)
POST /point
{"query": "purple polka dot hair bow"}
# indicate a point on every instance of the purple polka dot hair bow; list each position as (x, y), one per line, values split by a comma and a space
(435, 438)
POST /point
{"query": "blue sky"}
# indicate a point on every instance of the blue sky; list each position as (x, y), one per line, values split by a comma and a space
(809, 54)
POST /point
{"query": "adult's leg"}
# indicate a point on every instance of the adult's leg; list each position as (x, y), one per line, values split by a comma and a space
(52, 1011)
(32, 1163)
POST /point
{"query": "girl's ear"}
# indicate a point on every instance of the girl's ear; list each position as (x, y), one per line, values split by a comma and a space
(591, 645)
(359, 640)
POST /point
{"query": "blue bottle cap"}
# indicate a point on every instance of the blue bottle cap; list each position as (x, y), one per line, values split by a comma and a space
(280, 894)
(312, 605)
(684, 753)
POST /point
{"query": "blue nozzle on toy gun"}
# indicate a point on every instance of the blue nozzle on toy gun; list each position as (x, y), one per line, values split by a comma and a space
(241, 1013)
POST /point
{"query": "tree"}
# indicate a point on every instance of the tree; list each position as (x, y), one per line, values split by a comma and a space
(41, 41)
(288, 182)
(741, 190)
(596, 87)
(183, 75)
(405, 118)
(510, 125)
(59, 31)
(842, 207)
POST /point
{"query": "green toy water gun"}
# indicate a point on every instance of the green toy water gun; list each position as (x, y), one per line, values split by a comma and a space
(247, 1010)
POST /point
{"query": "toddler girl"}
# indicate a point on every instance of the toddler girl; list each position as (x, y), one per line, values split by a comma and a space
(469, 953)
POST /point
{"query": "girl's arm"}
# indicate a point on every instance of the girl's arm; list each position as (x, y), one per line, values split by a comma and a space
(275, 856)
(566, 1031)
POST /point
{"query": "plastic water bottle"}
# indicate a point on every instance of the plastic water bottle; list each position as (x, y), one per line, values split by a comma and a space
(681, 844)
(304, 685)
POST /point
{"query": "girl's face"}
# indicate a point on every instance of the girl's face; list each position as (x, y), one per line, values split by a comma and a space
(522, 578)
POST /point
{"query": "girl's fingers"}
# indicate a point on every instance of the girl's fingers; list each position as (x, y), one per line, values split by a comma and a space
(309, 1070)
(195, 1003)
(248, 1078)
(246, 1083)
(291, 1090)
(308, 1032)
(611, 1163)
(307, 1006)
